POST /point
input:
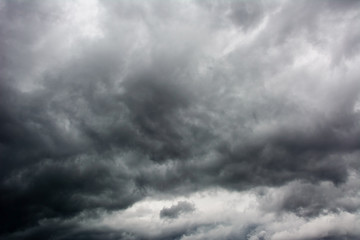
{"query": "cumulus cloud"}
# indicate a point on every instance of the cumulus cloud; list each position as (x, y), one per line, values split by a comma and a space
(106, 106)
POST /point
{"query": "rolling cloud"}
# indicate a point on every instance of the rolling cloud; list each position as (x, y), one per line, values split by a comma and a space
(179, 120)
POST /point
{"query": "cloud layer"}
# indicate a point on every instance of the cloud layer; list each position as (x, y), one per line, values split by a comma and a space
(110, 105)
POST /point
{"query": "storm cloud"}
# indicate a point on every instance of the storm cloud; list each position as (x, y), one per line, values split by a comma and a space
(179, 119)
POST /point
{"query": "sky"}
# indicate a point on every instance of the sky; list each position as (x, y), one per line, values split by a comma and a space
(179, 119)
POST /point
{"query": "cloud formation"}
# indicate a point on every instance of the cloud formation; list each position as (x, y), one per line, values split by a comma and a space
(106, 106)
(176, 210)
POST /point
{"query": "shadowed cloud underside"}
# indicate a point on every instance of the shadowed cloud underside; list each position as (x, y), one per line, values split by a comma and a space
(182, 120)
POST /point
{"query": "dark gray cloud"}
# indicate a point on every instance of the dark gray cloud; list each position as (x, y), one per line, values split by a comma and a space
(310, 200)
(103, 104)
(176, 210)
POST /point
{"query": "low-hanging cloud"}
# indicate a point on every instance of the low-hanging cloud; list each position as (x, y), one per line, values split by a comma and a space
(105, 104)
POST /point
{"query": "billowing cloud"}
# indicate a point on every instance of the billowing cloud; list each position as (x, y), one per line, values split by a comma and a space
(117, 116)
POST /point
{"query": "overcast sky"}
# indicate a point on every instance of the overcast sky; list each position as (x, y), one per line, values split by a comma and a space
(181, 119)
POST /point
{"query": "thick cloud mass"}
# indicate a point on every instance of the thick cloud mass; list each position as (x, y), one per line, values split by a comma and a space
(118, 119)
